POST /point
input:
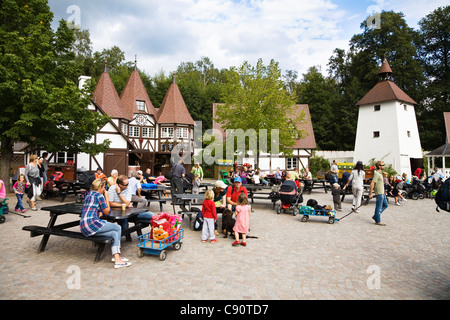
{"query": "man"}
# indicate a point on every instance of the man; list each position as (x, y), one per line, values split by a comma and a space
(135, 188)
(334, 172)
(178, 172)
(377, 185)
(233, 193)
(45, 165)
(120, 193)
(147, 176)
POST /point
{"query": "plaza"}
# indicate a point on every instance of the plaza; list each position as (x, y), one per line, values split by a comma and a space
(352, 259)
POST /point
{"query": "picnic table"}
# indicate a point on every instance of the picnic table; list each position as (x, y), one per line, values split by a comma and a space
(185, 201)
(115, 215)
(67, 187)
(253, 193)
(315, 184)
(155, 195)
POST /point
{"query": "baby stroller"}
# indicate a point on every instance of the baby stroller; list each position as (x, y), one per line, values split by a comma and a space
(53, 185)
(416, 190)
(85, 180)
(187, 182)
(290, 198)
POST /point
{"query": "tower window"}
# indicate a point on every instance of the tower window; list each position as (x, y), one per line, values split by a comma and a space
(376, 134)
(408, 133)
(140, 105)
(377, 107)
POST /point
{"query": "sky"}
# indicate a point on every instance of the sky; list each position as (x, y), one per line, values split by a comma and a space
(298, 34)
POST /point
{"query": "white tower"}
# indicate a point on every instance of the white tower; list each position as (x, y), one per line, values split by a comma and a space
(387, 127)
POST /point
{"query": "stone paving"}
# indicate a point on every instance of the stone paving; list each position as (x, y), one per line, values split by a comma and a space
(352, 259)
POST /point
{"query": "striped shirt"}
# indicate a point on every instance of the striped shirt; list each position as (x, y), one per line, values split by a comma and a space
(90, 222)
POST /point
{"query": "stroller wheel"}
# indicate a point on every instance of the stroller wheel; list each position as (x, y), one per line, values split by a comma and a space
(415, 196)
(421, 196)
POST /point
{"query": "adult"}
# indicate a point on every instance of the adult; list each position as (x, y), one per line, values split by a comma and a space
(32, 176)
(120, 194)
(220, 195)
(45, 165)
(233, 193)
(334, 172)
(112, 180)
(135, 187)
(198, 170)
(357, 179)
(289, 181)
(377, 185)
(95, 205)
(147, 176)
(278, 176)
(244, 174)
(178, 173)
(41, 175)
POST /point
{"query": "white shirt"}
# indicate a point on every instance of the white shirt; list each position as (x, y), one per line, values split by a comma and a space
(133, 185)
(357, 179)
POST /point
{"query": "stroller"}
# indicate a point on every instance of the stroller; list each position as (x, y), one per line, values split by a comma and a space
(85, 180)
(290, 198)
(416, 190)
(52, 187)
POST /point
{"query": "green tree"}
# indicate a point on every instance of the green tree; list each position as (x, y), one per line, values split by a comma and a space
(39, 97)
(434, 49)
(255, 98)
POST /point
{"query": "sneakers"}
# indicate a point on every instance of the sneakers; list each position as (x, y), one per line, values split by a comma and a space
(122, 265)
(380, 224)
(24, 210)
(397, 203)
(34, 209)
(123, 259)
(16, 210)
(236, 243)
(243, 244)
(213, 241)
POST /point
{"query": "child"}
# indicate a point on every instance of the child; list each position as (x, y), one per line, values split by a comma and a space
(243, 210)
(19, 189)
(100, 175)
(209, 217)
(195, 186)
(337, 192)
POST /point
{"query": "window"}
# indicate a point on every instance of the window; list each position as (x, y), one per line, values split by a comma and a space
(291, 163)
(377, 107)
(148, 132)
(140, 105)
(166, 132)
(134, 131)
(408, 133)
(182, 133)
(376, 134)
(125, 128)
(63, 157)
(405, 107)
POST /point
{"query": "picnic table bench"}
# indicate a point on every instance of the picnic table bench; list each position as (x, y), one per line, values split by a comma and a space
(75, 208)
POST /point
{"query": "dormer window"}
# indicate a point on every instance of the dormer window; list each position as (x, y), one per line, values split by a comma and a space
(377, 107)
(182, 133)
(140, 105)
(166, 132)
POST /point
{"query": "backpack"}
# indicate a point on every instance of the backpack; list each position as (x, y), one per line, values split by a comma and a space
(198, 222)
(443, 196)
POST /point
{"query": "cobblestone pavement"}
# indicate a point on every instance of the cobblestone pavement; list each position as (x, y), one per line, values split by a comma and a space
(351, 259)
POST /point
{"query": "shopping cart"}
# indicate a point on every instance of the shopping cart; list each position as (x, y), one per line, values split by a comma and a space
(158, 247)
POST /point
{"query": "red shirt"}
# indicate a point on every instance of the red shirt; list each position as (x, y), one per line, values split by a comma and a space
(209, 209)
(233, 194)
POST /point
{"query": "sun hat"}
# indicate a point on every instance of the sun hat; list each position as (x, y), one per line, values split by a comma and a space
(238, 179)
(220, 184)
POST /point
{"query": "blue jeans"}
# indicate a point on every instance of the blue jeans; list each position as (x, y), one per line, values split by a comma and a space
(380, 206)
(144, 217)
(19, 204)
(111, 230)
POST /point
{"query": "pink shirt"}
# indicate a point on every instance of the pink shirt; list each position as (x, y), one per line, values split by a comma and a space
(2, 190)
(159, 179)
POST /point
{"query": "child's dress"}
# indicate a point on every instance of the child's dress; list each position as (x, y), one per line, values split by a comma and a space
(242, 219)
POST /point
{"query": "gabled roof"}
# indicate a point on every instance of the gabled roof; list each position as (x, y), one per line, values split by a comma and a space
(173, 108)
(105, 96)
(135, 90)
(385, 89)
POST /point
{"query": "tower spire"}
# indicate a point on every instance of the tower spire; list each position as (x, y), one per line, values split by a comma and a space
(135, 62)
(106, 66)
(385, 72)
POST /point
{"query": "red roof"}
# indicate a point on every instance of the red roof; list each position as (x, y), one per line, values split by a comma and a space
(135, 90)
(385, 89)
(105, 95)
(173, 108)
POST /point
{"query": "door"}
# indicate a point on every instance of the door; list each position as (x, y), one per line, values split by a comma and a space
(115, 159)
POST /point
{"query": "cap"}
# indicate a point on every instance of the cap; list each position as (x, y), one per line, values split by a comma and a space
(220, 184)
(238, 179)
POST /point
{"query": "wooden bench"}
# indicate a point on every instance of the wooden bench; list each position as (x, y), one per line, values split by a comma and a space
(101, 241)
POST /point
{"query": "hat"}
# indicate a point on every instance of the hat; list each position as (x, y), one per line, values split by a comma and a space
(238, 179)
(359, 163)
(220, 184)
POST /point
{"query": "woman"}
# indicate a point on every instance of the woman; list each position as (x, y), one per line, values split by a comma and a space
(357, 178)
(32, 175)
(113, 178)
(95, 205)
(198, 171)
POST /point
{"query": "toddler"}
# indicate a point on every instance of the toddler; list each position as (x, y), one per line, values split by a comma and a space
(19, 189)
(337, 192)
(209, 217)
